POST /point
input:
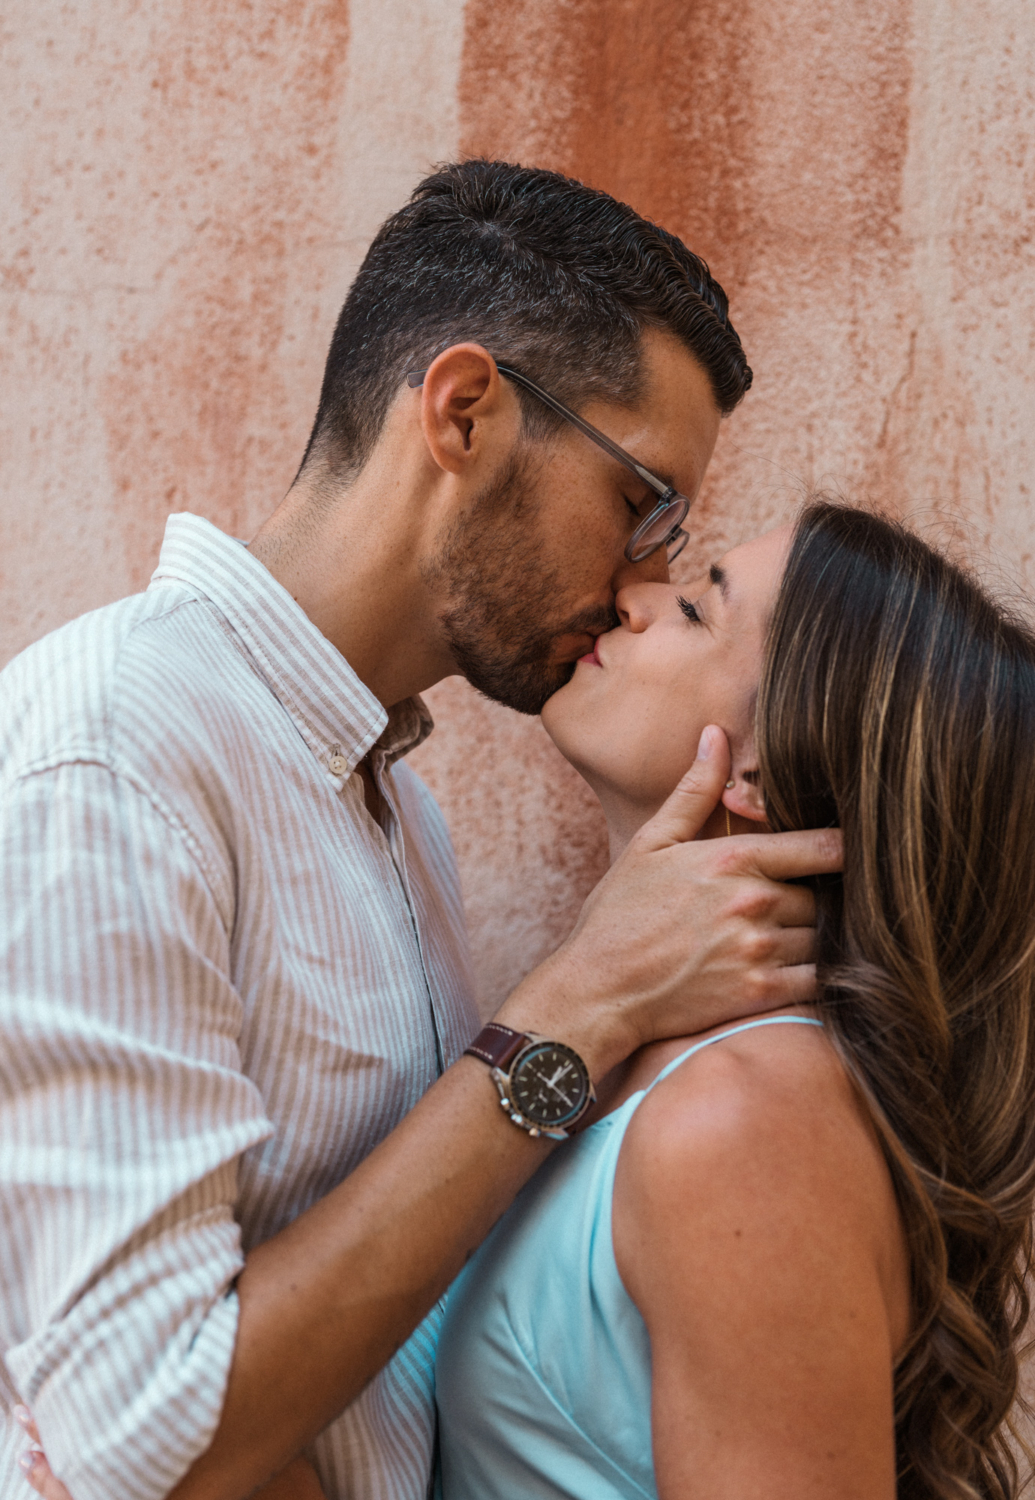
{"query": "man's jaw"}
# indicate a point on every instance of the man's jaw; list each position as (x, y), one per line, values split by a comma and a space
(525, 680)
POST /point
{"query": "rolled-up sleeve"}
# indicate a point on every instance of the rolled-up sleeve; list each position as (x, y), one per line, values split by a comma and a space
(123, 1115)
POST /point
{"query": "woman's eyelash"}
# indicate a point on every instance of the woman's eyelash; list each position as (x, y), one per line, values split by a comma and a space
(688, 609)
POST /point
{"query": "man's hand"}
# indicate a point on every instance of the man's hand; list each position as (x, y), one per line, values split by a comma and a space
(682, 935)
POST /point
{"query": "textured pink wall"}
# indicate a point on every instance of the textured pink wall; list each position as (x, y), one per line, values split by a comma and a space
(189, 189)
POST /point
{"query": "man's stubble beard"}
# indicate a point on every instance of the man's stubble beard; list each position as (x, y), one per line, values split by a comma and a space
(499, 619)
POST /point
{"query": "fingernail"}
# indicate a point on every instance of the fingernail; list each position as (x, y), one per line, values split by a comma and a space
(707, 744)
(22, 1415)
(27, 1462)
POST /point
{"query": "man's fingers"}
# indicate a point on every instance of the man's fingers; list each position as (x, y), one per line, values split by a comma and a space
(790, 856)
(792, 985)
(791, 905)
(794, 946)
(769, 903)
(810, 851)
(694, 800)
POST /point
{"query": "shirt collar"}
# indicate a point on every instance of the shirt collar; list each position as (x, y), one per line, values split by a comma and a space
(336, 714)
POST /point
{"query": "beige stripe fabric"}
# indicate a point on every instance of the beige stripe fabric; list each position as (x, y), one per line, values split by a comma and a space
(221, 984)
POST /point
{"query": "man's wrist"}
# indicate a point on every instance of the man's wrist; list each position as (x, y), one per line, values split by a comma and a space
(561, 1000)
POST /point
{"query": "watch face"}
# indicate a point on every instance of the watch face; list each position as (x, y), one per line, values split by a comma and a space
(549, 1084)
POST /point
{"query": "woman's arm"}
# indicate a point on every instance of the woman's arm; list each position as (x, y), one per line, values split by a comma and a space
(755, 1228)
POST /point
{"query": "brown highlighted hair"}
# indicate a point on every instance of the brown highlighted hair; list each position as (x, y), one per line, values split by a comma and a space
(898, 701)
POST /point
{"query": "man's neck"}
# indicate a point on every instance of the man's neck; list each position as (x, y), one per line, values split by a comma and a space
(351, 560)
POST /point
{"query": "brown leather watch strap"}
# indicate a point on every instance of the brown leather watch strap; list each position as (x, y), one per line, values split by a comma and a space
(496, 1044)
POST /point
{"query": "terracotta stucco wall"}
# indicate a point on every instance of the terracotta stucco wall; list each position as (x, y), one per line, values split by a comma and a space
(188, 189)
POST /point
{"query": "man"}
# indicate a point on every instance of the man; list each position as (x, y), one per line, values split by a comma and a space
(232, 937)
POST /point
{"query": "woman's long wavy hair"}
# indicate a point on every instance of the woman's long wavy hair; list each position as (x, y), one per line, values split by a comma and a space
(898, 701)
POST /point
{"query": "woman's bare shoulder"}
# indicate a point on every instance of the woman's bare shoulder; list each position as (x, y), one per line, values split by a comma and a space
(751, 1097)
(785, 1077)
(755, 1159)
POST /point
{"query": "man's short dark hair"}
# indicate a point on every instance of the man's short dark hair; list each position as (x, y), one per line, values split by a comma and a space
(558, 279)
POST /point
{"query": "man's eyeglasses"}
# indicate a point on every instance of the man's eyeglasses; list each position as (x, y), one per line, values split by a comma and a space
(663, 527)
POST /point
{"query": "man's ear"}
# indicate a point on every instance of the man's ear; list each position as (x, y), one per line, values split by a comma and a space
(744, 797)
(461, 395)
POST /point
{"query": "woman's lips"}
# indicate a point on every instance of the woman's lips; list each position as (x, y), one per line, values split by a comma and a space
(592, 657)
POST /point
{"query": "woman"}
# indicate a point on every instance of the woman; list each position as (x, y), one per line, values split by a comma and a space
(787, 1260)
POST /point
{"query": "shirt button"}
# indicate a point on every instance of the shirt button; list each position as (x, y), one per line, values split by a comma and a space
(338, 765)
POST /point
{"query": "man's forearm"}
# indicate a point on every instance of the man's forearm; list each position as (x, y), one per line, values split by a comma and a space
(325, 1303)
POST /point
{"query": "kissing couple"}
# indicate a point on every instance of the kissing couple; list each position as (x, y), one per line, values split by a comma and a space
(733, 1195)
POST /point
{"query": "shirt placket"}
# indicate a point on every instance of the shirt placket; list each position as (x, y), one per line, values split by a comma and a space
(397, 848)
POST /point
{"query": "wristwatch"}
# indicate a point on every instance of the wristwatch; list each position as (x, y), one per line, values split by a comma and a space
(543, 1085)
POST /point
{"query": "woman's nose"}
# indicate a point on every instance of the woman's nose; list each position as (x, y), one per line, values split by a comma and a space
(637, 604)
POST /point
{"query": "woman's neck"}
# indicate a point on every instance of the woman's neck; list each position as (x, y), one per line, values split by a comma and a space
(624, 821)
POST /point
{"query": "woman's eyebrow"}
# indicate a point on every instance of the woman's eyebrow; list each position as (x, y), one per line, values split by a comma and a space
(720, 578)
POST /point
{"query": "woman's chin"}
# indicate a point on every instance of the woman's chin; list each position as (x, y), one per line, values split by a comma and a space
(564, 724)
(554, 711)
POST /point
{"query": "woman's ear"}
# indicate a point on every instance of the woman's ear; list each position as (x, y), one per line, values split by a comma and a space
(744, 798)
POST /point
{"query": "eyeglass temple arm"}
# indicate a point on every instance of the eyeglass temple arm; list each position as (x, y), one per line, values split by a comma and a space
(416, 378)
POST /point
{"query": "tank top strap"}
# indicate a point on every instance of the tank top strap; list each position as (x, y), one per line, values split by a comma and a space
(721, 1036)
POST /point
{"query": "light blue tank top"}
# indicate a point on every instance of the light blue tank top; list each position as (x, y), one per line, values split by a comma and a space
(543, 1367)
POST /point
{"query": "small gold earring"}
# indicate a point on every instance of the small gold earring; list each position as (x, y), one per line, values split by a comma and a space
(729, 830)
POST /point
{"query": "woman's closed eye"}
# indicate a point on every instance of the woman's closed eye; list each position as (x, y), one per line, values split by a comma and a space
(688, 610)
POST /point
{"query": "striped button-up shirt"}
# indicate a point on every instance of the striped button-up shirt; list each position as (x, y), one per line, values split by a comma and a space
(222, 983)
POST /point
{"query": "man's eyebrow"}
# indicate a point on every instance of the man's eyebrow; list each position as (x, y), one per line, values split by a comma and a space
(720, 578)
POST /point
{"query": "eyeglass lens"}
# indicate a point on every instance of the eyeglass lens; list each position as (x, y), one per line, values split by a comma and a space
(660, 529)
